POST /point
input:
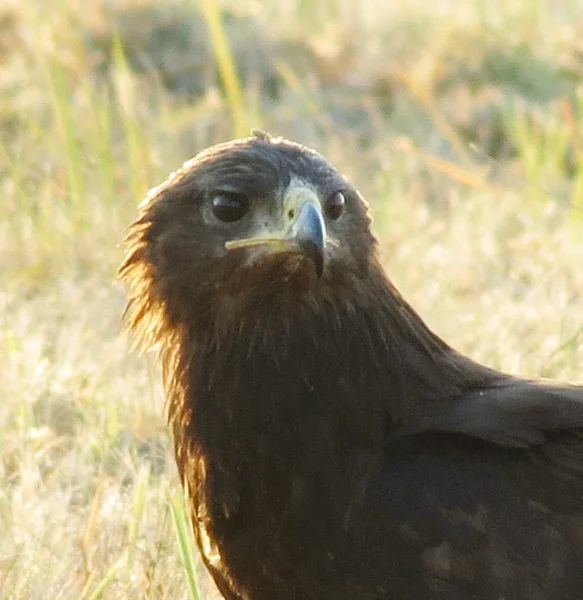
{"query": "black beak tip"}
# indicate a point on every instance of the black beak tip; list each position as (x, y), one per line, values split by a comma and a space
(315, 253)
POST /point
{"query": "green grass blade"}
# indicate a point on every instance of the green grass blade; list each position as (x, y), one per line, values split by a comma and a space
(135, 140)
(99, 590)
(136, 517)
(187, 553)
(64, 118)
(226, 66)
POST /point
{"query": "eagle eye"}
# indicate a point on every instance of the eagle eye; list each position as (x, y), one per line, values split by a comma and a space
(334, 205)
(229, 207)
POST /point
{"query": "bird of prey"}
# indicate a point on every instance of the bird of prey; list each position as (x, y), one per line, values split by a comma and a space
(332, 447)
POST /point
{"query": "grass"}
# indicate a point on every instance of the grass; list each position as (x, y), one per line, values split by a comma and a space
(461, 123)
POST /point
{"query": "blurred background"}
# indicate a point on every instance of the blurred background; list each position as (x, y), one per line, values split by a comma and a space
(461, 121)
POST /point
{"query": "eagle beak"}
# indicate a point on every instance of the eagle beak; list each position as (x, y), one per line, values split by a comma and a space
(308, 234)
(302, 229)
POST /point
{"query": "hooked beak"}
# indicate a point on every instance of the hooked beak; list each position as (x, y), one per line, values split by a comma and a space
(301, 230)
(308, 233)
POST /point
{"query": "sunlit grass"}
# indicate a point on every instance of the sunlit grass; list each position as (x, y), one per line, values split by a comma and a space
(475, 179)
(226, 66)
(187, 551)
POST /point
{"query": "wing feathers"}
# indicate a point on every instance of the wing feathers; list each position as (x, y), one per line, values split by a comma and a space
(511, 412)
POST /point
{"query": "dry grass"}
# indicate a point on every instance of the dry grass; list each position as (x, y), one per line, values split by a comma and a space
(97, 104)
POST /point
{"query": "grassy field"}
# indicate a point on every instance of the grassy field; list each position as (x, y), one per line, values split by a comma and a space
(461, 123)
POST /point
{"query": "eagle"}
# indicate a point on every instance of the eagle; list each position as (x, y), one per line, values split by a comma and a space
(331, 446)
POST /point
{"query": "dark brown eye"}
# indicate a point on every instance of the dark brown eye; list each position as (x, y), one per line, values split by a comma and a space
(335, 205)
(230, 207)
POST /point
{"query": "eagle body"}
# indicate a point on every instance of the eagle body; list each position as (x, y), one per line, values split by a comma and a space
(331, 446)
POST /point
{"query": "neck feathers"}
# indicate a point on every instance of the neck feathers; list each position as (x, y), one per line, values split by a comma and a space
(265, 375)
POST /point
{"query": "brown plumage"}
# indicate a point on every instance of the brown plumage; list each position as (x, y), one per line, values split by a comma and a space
(331, 445)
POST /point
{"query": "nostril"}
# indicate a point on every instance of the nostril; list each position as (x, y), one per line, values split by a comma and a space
(291, 213)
